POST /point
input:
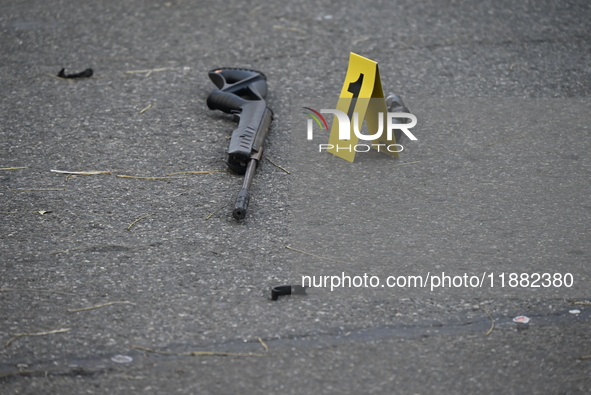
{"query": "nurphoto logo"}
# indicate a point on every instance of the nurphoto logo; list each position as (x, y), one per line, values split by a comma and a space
(401, 121)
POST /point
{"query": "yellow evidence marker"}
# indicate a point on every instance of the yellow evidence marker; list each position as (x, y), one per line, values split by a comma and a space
(362, 98)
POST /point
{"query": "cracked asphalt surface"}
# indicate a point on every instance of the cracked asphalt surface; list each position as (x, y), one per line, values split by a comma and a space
(497, 183)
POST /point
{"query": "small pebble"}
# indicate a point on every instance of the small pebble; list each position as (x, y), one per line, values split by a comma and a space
(521, 319)
(121, 359)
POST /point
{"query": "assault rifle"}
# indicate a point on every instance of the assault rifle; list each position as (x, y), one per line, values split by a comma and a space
(242, 93)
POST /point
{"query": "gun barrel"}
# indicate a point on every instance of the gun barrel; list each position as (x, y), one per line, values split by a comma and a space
(243, 198)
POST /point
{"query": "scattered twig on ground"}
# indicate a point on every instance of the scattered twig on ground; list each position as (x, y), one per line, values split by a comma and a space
(19, 335)
(314, 255)
(255, 10)
(581, 303)
(98, 306)
(492, 323)
(94, 172)
(137, 220)
(585, 357)
(198, 353)
(408, 163)
(361, 39)
(170, 175)
(277, 166)
(199, 172)
(13, 168)
(143, 110)
(215, 211)
(147, 178)
(263, 344)
(81, 173)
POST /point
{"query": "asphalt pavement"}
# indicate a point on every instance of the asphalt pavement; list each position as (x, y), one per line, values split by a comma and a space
(461, 266)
